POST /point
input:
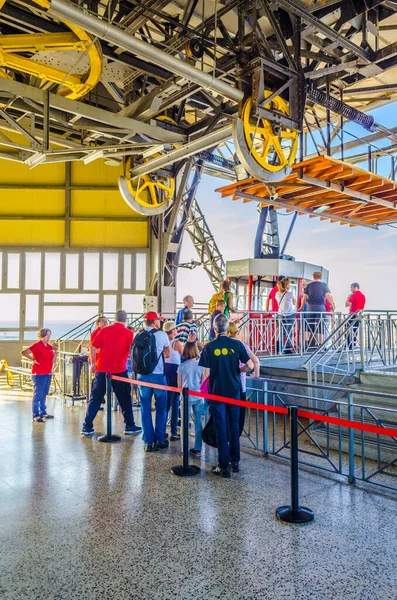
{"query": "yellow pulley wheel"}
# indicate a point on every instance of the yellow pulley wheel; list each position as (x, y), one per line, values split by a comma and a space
(148, 194)
(14, 48)
(266, 149)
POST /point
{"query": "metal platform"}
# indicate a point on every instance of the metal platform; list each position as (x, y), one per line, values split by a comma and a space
(326, 188)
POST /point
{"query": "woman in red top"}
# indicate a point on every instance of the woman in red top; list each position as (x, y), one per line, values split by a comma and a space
(43, 356)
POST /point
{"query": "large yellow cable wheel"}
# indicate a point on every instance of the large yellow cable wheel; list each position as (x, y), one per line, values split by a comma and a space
(13, 59)
(265, 148)
(150, 194)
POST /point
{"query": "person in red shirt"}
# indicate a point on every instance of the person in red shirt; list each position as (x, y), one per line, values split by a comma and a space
(272, 297)
(355, 302)
(100, 323)
(109, 354)
(43, 355)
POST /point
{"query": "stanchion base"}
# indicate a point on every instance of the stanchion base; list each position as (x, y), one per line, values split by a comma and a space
(299, 517)
(110, 439)
(182, 471)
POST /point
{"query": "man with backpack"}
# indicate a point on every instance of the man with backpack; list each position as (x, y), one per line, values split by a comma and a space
(113, 343)
(151, 346)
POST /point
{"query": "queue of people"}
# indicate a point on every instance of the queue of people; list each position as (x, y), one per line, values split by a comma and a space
(169, 354)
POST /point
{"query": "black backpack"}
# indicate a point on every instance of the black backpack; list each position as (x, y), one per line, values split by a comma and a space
(144, 352)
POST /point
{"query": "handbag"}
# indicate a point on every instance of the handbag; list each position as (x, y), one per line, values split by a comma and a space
(204, 386)
(208, 433)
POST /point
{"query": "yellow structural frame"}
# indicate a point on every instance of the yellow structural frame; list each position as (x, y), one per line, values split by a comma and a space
(73, 86)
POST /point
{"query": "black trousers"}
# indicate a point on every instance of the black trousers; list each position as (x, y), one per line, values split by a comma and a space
(122, 390)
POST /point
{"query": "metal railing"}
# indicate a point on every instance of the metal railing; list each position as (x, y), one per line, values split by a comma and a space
(342, 451)
(272, 334)
(363, 341)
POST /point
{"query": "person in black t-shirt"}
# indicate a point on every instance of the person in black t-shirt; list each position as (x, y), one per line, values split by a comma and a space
(315, 293)
(221, 361)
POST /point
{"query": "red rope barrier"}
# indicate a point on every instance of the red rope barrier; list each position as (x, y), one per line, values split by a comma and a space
(346, 423)
(277, 409)
(158, 386)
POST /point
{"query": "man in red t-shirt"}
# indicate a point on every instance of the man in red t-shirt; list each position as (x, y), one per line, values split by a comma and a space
(110, 352)
(355, 302)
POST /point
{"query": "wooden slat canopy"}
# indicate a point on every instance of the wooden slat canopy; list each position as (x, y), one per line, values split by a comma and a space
(326, 188)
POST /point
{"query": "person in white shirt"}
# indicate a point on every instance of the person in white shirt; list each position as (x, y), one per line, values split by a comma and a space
(286, 308)
(154, 437)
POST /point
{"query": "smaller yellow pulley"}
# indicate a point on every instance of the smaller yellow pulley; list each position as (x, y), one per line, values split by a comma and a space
(152, 192)
(148, 194)
(15, 48)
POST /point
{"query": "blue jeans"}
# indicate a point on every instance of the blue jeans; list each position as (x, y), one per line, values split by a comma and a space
(151, 434)
(172, 397)
(226, 421)
(122, 389)
(41, 386)
(198, 410)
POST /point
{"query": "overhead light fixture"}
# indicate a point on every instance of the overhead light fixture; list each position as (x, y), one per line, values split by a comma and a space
(321, 209)
(36, 159)
(93, 156)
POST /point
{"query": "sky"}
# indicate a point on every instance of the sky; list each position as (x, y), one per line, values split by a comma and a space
(349, 253)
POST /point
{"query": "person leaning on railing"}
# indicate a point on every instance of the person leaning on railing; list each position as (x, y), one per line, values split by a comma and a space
(43, 355)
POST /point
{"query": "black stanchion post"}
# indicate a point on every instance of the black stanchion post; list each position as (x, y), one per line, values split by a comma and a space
(185, 470)
(294, 513)
(109, 437)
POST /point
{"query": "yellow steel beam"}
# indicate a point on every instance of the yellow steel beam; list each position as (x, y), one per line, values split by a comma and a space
(42, 41)
(40, 70)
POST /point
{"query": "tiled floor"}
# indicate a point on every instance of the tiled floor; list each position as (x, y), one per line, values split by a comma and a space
(81, 520)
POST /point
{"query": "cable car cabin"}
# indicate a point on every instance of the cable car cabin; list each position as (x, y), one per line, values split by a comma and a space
(252, 280)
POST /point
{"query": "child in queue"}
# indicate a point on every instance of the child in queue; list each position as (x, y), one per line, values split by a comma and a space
(190, 376)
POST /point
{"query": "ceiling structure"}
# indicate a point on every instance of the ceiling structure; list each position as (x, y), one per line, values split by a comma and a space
(176, 89)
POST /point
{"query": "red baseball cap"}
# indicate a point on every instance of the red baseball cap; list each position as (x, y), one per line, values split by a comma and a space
(152, 316)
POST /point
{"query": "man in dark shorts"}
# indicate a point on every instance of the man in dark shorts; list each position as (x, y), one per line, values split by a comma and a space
(315, 293)
(221, 361)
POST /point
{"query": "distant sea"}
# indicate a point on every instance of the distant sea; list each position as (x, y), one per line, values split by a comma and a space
(57, 328)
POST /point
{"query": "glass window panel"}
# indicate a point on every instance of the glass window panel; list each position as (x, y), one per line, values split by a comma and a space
(110, 271)
(61, 319)
(32, 310)
(127, 271)
(140, 275)
(30, 336)
(67, 298)
(10, 335)
(9, 309)
(1, 269)
(110, 303)
(33, 271)
(13, 271)
(72, 271)
(133, 303)
(52, 271)
(91, 271)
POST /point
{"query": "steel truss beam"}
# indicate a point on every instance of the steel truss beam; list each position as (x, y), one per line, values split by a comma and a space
(99, 115)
